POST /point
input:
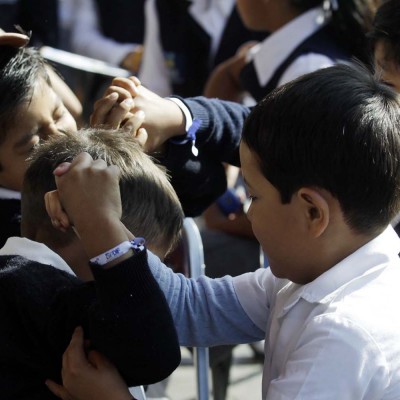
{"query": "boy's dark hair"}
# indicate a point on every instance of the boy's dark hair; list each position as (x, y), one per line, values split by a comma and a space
(150, 206)
(386, 28)
(20, 69)
(350, 22)
(336, 129)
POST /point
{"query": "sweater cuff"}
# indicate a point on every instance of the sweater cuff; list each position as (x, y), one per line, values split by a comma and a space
(129, 281)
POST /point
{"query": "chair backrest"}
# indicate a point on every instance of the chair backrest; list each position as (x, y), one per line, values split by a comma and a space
(193, 249)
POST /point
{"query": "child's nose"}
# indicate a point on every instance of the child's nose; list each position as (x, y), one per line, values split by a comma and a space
(50, 130)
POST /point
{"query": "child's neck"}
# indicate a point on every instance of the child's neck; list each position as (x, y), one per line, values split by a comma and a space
(286, 14)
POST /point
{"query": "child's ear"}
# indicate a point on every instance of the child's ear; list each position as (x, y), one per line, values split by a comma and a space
(315, 210)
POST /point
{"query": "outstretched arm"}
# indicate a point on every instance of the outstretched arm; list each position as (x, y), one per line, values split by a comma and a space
(197, 179)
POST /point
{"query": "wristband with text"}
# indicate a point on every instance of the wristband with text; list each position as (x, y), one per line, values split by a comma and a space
(137, 245)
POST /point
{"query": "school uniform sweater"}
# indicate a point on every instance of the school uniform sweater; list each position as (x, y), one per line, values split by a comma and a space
(321, 42)
(200, 180)
(122, 20)
(304, 45)
(10, 219)
(123, 313)
(10, 214)
(187, 47)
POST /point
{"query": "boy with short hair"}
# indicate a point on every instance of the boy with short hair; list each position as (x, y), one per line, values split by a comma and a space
(31, 110)
(150, 205)
(324, 188)
(123, 311)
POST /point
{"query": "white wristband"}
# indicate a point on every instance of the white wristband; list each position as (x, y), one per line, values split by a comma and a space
(137, 245)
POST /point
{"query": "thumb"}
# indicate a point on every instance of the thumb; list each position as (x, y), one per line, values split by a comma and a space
(58, 390)
(97, 359)
(142, 136)
(62, 169)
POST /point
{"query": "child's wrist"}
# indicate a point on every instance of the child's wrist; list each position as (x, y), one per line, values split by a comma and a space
(177, 123)
(102, 235)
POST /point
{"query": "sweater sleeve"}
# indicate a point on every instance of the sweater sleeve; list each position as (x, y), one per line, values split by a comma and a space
(123, 312)
(131, 323)
(221, 127)
(200, 180)
(206, 312)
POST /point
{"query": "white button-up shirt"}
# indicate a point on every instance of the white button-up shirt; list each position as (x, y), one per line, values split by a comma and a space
(273, 51)
(337, 337)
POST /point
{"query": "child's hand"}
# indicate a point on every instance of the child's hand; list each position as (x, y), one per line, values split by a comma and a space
(163, 120)
(59, 218)
(13, 39)
(224, 81)
(88, 378)
(114, 108)
(89, 194)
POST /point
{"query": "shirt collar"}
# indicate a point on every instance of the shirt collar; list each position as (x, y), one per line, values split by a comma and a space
(9, 194)
(273, 51)
(212, 16)
(34, 251)
(373, 256)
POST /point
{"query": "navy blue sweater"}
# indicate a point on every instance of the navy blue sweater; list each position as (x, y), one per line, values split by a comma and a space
(123, 313)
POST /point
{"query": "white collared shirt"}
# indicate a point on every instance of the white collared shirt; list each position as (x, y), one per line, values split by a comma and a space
(273, 51)
(8, 194)
(337, 337)
(34, 251)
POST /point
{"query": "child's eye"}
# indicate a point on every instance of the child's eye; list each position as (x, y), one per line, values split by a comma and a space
(252, 198)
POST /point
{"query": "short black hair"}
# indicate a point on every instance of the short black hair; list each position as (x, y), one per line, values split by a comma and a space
(20, 69)
(386, 28)
(338, 129)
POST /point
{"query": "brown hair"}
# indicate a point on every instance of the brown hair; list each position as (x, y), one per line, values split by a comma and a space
(150, 206)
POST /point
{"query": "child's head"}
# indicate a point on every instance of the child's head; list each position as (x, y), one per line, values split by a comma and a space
(150, 207)
(30, 111)
(327, 143)
(386, 42)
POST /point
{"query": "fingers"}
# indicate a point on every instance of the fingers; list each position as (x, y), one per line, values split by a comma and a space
(102, 107)
(135, 80)
(134, 122)
(98, 360)
(13, 39)
(112, 109)
(123, 93)
(142, 137)
(81, 162)
(58, 217)
(58, 390)
(131, 85)
(74, 355)
(119, 113)
(62, 168)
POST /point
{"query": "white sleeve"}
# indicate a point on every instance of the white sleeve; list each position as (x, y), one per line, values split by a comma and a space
(153, 70)
(256, 292)
(87, 39)
(304, 65)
